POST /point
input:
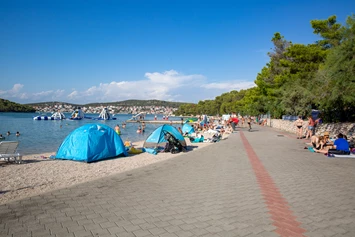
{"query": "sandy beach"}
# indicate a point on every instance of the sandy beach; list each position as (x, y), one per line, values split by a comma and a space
(38, 173)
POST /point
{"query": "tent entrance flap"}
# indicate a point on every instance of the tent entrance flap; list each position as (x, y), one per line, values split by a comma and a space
(157, 137)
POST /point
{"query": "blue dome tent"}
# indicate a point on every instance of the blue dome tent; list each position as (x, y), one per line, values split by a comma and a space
(90, 143)
(157, 137)
(187, 128)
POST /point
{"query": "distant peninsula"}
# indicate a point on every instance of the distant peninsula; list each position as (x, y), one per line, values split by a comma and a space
(126, 106)
(9, 106)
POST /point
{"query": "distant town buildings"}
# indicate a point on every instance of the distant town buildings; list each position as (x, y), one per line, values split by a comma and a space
(112, 109)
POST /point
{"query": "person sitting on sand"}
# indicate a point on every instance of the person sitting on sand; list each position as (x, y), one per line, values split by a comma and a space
(127, 143)
(341, 146)
(327, 142)
(317, 142)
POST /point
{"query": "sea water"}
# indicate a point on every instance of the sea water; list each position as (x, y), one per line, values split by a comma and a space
(42, 136)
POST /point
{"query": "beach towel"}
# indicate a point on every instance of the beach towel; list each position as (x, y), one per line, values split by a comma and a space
(198, 139)
(342, 156)
(151, 150)
(133, 150)
(311, 149)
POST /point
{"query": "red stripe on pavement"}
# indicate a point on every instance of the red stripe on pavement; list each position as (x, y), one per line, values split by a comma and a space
(283, 218)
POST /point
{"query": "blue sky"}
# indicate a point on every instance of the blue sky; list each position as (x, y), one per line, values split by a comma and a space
(104, 51)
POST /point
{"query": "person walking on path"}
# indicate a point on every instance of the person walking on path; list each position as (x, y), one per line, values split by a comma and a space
(299, 125)
(249, 123)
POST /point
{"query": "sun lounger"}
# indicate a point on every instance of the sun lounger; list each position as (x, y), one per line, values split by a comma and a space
(8, 152)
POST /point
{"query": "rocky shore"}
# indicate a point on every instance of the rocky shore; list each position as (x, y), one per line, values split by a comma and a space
(333, 128)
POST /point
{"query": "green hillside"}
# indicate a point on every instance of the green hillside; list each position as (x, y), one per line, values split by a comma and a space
(9, 106)
(126, 103)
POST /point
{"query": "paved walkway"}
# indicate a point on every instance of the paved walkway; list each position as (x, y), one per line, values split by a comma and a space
(259, 183)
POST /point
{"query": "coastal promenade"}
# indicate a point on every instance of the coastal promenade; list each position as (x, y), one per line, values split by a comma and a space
(259, 183)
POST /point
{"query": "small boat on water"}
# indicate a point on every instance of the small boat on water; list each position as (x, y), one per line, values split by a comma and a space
(56, 116)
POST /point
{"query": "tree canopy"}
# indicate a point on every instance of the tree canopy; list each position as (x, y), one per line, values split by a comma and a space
(298, 78)
(9, 106)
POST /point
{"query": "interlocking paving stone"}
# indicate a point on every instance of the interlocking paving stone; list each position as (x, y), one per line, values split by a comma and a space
(212, 191)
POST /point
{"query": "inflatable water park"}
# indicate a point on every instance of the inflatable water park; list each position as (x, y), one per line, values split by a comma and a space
(78, 114)
(139, 116)
(55, 116)
(104, 115)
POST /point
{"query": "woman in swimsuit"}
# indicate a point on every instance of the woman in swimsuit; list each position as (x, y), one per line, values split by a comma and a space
(299, 125)
(311, 124)
(317, 142)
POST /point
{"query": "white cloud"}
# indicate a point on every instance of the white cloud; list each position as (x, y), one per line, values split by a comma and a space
(230, 85)
(14, 92)
(161, 86)
(169, 85)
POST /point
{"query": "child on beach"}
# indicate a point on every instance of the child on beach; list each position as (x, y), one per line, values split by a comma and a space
(117, 129)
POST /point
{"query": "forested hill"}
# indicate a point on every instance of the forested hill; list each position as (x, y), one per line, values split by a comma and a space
(127, 103)
(140, 103)
(9, 106)
(299, 78)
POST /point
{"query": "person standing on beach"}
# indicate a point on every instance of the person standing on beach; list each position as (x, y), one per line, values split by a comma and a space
(299, 125)
(310, 128)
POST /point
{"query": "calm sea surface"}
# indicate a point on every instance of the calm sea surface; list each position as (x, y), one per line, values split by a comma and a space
(40, 136)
